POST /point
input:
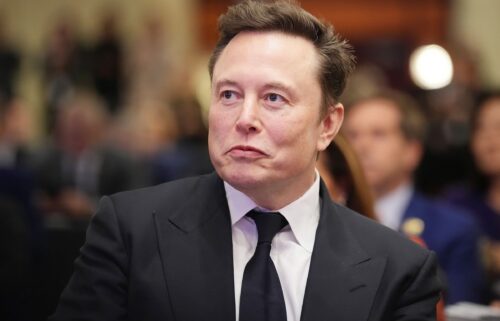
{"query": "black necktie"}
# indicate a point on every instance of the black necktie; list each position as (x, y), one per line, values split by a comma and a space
(261, 294)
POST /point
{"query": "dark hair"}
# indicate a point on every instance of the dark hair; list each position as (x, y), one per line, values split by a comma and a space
(481, 101)
(412, 121)
(4, 106)
(478, 179)
(336, 55)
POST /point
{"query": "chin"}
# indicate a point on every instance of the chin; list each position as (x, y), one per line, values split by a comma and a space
(241, 179)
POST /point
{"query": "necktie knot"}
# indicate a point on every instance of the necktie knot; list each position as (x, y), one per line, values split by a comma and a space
(268, 224)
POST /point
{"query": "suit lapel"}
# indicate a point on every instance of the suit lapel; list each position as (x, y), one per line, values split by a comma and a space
(343, 279)
(196, 251)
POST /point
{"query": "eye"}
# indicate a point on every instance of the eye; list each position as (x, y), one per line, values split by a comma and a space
(274, 99)
(227, 94)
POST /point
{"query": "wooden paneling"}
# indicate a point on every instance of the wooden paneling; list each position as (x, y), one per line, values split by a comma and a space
(417, 21)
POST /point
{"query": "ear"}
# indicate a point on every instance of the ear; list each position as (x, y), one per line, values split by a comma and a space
(330, 125)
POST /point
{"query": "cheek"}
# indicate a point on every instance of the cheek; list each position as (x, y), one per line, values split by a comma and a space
(298, 137)
(214, 133)
(217, 122)
(274, 127)
(478, 149)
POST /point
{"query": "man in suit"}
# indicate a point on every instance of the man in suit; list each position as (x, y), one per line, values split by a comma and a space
(184, 250)
(79, 167)
(386, 130)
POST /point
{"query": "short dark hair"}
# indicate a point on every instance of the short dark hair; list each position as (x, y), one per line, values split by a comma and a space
(482, 100)
(413, 121)
(337, 60)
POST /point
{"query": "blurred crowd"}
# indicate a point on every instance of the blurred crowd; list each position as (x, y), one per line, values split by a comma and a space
(110, 123)
(424, 163)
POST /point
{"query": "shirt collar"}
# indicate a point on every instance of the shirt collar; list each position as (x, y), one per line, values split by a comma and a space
(302, 214)
(391, 207)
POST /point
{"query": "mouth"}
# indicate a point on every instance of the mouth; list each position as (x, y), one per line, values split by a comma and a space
(244, 151)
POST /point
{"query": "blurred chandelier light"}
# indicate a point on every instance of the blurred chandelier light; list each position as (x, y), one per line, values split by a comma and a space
(431, 67)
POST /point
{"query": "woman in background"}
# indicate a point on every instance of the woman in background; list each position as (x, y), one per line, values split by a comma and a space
(342, 173)
(482, 197)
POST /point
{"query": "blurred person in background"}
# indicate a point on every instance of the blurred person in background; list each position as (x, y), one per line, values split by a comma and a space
(188, 154)
(10, 62)
(79, 167)
(341, 171)
(65, 68)
(446, 156)
(16, 177)
(107, 63)
(150, 63)
(17, 126)
(386, 130)
(21, 242)
(482, 196)
(143, 130)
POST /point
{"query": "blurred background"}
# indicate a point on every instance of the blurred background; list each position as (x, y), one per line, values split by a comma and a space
(100, 96)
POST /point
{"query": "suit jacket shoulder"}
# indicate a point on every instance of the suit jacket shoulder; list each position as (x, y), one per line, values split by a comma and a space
(171, 198)
(361, 270)
(455, 237)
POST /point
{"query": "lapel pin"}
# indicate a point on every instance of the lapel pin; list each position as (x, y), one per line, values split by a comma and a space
(413, 226)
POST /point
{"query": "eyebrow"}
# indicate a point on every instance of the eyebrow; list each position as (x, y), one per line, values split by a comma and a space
(280, 86)
(271, 85)
(224, 82)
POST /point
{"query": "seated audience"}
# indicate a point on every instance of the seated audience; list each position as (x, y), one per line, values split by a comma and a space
(482, 198)
(74, 173)
(21, 242)
(188, 154)
(386, 130)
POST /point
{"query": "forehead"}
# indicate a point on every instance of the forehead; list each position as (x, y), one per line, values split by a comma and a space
(270, 52)
(377, 112)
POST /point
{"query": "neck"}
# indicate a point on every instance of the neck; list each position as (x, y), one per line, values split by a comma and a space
(493, 197)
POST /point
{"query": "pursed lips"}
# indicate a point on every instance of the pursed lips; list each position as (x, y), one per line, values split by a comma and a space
(244, 151)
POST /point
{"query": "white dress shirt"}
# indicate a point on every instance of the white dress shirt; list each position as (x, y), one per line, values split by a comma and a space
(390, 208)
(291, 248)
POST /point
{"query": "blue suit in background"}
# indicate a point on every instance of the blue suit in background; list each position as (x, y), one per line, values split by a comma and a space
(454, 236)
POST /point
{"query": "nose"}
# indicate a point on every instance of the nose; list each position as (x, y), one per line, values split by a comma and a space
(249, 118)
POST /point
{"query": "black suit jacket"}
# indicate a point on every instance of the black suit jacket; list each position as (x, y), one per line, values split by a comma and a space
(165, 253)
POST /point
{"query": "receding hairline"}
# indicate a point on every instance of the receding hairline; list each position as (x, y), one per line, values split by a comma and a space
(335, 55)
(317, 64)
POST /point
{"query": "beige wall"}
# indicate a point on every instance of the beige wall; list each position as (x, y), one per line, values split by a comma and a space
(477, 23)
(29, 22)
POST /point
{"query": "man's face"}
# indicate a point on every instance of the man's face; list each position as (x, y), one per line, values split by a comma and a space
(264, 121)
(388, 158)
